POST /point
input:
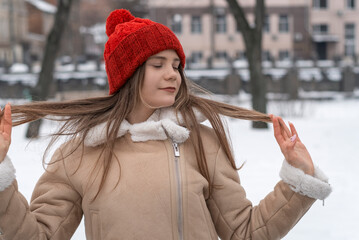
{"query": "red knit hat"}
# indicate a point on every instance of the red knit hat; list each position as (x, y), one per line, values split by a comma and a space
(131, 41)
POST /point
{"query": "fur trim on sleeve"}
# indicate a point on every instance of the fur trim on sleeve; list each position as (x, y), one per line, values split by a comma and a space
(7, 173)
(315, 187)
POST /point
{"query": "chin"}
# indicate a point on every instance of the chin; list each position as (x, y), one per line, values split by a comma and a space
(162, 104)
(167, 104)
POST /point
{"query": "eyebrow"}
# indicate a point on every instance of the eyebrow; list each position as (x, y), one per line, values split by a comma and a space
(163, 58)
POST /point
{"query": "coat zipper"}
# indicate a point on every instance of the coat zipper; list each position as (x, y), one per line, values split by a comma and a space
(179, 190)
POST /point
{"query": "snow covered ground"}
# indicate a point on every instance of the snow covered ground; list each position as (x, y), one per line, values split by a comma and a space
(329, 129)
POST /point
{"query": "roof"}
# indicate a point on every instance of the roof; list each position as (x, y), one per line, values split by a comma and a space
(43, 6)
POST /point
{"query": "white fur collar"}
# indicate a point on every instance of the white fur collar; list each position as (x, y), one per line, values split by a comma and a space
(162, 124)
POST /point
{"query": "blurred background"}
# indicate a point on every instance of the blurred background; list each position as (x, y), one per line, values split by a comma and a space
(306, 45)
(298, 59)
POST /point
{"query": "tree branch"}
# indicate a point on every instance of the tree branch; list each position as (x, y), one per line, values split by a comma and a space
(240, 17)
(259, 16)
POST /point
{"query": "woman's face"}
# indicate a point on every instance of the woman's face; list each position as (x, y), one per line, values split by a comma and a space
(162, 80)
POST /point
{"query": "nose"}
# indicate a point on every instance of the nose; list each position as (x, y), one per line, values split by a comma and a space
(171, 73)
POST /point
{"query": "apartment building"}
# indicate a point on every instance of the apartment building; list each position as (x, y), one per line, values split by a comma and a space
(24, 25)
(334, 28)
(12, 33)
(39, 21)
(302, 29)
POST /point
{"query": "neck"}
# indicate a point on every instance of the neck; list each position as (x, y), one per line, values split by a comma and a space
(140, 114)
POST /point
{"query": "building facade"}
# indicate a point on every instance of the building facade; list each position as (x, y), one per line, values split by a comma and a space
(334, 28)
(24, 25)
(302, 29)
(13, 30)
(39, 21)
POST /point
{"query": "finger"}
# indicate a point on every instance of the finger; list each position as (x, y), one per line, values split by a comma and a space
(294, 140)
(271, 116)
(284, 126)
(277, 131)
(294, 131)
(287, 132)
(7, 120)
(285, 135)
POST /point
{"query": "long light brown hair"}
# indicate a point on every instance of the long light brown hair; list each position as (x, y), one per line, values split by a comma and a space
(79, 116)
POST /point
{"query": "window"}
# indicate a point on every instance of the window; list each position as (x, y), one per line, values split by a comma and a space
(283, 55)
(221, 55)
(283, 23)
(266, 25)
(241, 55)
(196, 57)
(350, 4)
(320, 29)
(196, 24)
(320, 4)
(349, 42)
(266, 56)
(176, 23)
(221, 24)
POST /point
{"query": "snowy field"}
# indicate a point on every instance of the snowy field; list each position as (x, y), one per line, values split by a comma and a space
(330, 131)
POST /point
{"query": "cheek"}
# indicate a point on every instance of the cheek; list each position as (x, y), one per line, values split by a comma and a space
(146, 92)
(148, 84)
(150, 94)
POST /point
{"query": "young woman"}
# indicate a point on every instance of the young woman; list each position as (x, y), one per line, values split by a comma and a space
(140, 165)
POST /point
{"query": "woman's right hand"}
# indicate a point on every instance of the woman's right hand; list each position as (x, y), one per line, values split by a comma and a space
(5, 131)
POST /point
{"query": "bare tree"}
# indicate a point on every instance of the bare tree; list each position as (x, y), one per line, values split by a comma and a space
(43, 86)
(252, 37)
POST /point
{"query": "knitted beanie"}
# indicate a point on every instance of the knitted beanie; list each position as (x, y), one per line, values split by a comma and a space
(131, 41)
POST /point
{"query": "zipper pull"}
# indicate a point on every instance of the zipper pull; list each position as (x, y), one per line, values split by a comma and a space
(176, 149)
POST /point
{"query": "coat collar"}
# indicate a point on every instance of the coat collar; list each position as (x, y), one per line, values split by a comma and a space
(163, 123)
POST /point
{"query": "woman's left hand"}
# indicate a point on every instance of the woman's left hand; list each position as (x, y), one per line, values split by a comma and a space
(291, 146)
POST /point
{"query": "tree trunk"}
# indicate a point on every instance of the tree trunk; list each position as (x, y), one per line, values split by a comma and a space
(43, 86)
(258, 84)
(252, 37)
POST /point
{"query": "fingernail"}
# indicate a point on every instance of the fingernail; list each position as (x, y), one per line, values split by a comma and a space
(292, 138)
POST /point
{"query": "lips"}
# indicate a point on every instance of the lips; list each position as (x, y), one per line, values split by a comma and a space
(169, 89)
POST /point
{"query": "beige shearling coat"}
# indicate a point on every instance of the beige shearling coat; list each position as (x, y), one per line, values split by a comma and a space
(160, 195)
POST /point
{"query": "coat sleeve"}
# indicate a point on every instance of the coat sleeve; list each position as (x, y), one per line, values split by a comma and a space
(55, 210)
(234, 216)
